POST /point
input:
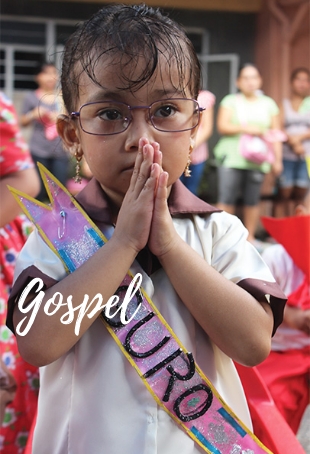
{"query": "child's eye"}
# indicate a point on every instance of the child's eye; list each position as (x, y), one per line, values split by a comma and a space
(110, 115)
(165, 111)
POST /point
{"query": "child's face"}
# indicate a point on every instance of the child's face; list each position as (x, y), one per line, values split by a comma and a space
(111, 158)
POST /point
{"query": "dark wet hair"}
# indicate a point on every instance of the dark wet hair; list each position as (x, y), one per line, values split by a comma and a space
(297, 71)
(128, 32)
(247, 65)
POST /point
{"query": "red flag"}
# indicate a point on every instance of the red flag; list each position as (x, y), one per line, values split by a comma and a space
(294, 235)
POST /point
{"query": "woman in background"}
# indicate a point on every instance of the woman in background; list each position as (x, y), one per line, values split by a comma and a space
(237, 175)
(200, 153)
(40, 110)
(295, 114)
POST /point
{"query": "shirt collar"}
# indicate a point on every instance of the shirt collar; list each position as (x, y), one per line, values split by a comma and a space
(181, 201)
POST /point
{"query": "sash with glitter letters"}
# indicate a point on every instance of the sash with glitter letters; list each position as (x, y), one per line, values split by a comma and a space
(166, 368)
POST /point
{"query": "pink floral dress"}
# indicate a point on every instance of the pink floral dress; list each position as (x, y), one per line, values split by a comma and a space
(14, 156)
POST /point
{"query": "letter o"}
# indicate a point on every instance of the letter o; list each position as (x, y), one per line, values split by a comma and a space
(207, 404)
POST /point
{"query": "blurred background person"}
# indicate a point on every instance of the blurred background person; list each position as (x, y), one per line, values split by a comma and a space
(200, 153)
(286, 371)
(18, 379)
(237, 176)
(40, 110)
(295, 114)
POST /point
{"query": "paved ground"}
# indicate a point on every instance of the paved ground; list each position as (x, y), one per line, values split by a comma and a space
(304, 431)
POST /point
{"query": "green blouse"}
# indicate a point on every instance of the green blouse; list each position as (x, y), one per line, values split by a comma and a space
(259, 113)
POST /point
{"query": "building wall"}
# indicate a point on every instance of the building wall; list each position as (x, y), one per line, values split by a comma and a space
(227, 32)
(282, 43)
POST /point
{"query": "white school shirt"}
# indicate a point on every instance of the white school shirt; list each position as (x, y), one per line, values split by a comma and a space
(92, 401)
(289, 278)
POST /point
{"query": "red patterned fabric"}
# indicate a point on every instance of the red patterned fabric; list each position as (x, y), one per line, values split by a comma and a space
(14, 156)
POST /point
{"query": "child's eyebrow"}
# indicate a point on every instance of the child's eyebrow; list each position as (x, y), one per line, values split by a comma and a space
(171, 93)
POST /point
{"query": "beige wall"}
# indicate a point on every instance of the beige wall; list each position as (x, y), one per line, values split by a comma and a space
(282, 43)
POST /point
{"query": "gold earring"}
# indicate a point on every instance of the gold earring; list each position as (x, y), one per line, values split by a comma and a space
(78, 178)
(187, 171)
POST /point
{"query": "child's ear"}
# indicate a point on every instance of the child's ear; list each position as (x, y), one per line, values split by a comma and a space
(192, 139)
(68, 133)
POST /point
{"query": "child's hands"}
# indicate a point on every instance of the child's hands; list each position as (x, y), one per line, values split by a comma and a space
(135, 216)
(144, 217)
(162, 235)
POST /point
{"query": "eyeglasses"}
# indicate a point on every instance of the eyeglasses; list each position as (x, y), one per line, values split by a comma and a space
(106, 118)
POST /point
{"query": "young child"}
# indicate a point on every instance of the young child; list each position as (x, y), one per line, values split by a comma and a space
(286, 371)
(130, 79)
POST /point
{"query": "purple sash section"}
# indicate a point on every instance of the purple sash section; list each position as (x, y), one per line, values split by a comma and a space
(176, 382)
(166, 368)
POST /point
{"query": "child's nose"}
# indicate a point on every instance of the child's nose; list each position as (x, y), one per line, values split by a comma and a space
(139, 127)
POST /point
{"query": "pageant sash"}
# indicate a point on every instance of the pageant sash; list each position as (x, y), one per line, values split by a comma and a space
(166, 368)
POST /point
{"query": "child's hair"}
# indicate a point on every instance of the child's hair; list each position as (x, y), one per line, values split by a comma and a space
(129, 33)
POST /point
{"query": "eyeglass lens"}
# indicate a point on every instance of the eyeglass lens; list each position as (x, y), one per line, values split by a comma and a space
(111, 117)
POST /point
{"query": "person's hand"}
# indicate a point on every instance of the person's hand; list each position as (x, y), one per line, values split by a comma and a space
(253, 130)
(47, 117)
(299, 149)
(277, 167)
(295, 141)
(297, 318)
(135, 216)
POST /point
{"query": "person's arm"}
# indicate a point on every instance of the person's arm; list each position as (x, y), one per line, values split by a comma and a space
(101, 274)
(294, 140)
(27, 118)
(226, 127)
(24, 180)
(277, 165)
(297, 318)
(234, 320)
(32, 111)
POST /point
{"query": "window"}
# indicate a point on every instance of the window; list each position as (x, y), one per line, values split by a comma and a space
(24, 44)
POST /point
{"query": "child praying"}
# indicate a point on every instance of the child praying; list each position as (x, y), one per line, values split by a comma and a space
(130, 81)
